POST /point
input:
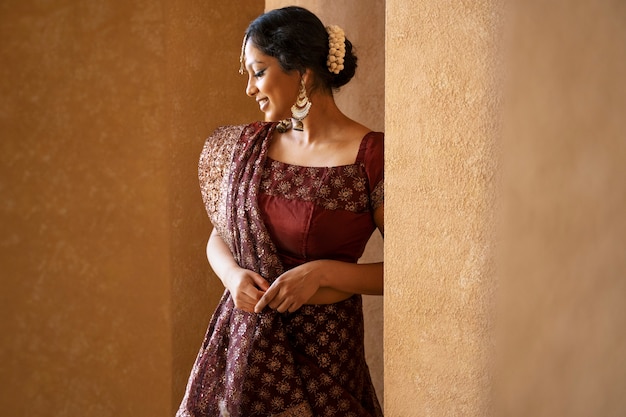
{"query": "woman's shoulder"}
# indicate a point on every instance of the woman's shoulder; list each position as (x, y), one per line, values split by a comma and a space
(372, 145)
(372, 156)
(367, 137)
(227, 131)
(374, 138)
(228, 135)
(220, 143)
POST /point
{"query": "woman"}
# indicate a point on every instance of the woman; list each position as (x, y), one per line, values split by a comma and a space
(293, 201)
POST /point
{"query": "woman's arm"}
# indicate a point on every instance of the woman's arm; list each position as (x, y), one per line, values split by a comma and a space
(246, 287)
(323, 281)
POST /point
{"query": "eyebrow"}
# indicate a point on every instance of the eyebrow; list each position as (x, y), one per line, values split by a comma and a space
(256, 61)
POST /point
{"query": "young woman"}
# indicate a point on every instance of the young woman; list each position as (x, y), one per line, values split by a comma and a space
(293, 201)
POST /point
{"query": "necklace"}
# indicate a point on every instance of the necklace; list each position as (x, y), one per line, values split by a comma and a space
(286, 124)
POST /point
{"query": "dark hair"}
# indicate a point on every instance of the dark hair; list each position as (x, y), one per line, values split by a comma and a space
(298, 40)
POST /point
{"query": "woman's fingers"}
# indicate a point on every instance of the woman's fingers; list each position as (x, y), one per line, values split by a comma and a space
(260, 282)
(245, 302)
(289, 291)
(250, 289)
(267, 298)
(278, 298)
(276, 302)
(285, 306)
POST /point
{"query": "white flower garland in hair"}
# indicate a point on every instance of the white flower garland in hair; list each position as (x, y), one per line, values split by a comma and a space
(336, 48)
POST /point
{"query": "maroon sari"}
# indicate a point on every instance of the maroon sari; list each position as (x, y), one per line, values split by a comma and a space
(307, 363)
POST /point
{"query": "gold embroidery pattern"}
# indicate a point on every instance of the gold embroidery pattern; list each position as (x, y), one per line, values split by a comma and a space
(378, 195)
(331, 337)
(333, 188)
(213, 173)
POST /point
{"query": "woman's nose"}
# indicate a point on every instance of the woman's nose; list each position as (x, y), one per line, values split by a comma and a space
(251, 89)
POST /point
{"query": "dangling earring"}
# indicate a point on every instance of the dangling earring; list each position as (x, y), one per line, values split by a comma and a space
(300, 110)
(241, 56)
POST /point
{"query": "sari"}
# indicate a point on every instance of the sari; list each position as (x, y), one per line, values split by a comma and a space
(302, 364)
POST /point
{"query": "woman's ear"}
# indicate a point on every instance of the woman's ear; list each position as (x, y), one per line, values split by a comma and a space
(307, 75)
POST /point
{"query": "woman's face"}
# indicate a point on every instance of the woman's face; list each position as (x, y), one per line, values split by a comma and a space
(273, 89)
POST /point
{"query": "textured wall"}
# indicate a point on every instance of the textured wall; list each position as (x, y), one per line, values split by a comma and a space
(104, 107)
(440, 112)
(564, 280)
(84, 253)
(363, 100)
(205, 90)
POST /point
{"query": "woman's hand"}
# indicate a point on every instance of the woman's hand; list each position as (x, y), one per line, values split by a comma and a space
(322, 281)
(246, 287)
(292, 289)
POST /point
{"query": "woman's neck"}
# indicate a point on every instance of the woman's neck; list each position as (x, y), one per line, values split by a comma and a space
(324, 119)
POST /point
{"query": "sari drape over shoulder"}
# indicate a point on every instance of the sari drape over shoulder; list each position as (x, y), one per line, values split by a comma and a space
(307, 363)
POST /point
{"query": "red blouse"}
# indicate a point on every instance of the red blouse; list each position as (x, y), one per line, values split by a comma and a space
(323, 212)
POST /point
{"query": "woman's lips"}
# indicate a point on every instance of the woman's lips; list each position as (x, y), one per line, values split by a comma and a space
(263, 103)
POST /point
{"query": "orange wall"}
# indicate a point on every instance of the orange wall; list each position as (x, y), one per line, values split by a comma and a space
(563, 321)
(440, 112)
(104, 107)
(205, 90)
(560, 349)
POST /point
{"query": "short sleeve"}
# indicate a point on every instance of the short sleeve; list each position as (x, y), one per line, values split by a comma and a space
(374, 161)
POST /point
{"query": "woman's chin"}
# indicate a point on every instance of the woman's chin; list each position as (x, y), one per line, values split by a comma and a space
(273, 117)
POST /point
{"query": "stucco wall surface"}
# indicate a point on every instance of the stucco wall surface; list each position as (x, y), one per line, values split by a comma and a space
(205, 90)
(84, 253)
(440, 127)
(362, 99)
(563, 298)
(104, 107)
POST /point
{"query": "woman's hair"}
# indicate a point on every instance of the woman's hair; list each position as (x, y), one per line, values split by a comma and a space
(298, 40)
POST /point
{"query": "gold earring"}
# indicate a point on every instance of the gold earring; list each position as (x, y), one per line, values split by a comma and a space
(241, 56)
(301, 108)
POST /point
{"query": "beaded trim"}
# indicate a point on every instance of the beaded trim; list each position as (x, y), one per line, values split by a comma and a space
(336, 48)
(241, 56)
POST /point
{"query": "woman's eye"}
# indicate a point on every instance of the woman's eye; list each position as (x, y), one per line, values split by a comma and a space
(259, 73)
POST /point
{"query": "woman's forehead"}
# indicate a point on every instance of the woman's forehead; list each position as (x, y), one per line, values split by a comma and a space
(253, 55)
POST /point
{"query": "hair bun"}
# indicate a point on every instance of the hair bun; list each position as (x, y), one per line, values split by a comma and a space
(300, 41)
(349, 68)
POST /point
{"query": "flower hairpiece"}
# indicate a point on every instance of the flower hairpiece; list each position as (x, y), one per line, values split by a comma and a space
(336, 48)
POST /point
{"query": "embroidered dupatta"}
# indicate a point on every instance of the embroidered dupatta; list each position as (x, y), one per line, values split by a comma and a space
(220, 384)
